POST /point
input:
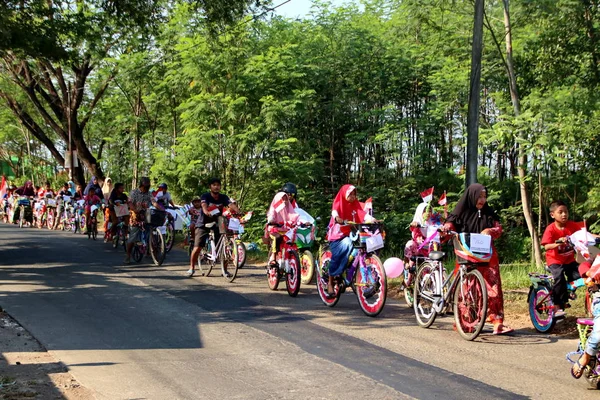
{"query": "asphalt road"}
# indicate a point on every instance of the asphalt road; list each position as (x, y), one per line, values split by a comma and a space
(140, 331)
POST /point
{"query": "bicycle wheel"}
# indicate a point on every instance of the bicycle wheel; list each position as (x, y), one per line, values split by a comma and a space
(82, 223)
(307, 261)
(21, 217)
(94, 229)
(541, 309)
(116, 237)
(409, 287)
(241, 250)
(371, 286)
(205, 265)
(50, 219)
(157, 246)
(425, 288)
(229, 258)
(293, 273)
(322, 281)
(137, 253)
(470, 305)
(169, 237)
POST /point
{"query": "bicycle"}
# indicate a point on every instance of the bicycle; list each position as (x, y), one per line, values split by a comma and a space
(225, 251)
(79, 219)
(92, 225)
(236, 225)
(464, 290)
(25, 211)
(592, 370)
(541, 307)
(151, 238)
(364, 271)
(287, 263)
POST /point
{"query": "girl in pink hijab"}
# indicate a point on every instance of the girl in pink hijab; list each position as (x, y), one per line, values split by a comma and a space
(280, 217)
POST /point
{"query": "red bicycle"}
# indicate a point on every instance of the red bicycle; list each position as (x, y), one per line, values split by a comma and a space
(287, 263)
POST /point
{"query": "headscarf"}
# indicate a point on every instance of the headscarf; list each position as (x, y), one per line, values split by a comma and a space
(72, 187)
(90, 185)
(107, 188)
(346, 210)
(418, 217)
(280, 212)
(467, 218)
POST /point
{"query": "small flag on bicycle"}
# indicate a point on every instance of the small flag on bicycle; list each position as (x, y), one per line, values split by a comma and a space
(427, 195)
(443, 201)
(213, 210)
(280, 205)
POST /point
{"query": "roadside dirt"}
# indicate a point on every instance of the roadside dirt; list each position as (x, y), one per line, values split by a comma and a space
(28, 371)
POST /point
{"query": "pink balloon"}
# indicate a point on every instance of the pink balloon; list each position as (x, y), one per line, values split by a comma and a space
(393, 267)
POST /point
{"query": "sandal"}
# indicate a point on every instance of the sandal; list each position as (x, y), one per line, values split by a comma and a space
(503, 330)
(579, 372)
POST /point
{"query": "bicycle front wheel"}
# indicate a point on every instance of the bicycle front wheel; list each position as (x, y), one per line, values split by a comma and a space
(157, 247)
(205, 265)
(307, 262)
(371, 286)
(229, 259)
(241, 249)
(470, 305)
(541, 309)
(425, 295)
(292, 276)
(169, 237)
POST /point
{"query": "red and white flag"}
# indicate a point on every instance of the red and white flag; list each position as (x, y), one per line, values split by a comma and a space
(280, 205)
(368, 205)
(443, 200)
(3, 187)
(427, 195)
(213, 210)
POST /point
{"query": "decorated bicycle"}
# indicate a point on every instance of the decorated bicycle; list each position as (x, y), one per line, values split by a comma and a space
(280, 236)
(350, 257)
(541, 306)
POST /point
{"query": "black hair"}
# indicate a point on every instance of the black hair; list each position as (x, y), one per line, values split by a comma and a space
(118, 185)
(214, 180)
(557, 203)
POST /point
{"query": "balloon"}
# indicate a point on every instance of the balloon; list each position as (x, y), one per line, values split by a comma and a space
(393, 267)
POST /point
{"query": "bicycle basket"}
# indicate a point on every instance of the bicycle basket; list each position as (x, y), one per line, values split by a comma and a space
(369, 236)
(466, 255)
(155, 217)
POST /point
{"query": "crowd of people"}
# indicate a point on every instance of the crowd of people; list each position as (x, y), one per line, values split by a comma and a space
(472, 214)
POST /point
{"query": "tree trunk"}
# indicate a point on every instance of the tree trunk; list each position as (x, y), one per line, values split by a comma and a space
(514, 95)
(474, 88)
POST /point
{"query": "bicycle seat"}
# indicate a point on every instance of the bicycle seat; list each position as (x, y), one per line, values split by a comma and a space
(436, 255)
(585, 321)
(209, 225)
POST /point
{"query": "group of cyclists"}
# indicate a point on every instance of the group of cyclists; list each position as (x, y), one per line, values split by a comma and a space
(472, 215)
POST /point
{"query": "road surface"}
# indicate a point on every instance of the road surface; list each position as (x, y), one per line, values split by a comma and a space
(141, 331)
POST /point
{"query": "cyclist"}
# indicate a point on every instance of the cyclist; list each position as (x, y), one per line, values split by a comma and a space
(346, 207)
(213, 204)
(163, 197)
(140, 199)
(60, 206)
(46, 191)
(281, 215)
(91, 199)
(117, 198)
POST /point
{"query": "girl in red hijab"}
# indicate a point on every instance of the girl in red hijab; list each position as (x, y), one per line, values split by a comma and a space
(345, 208)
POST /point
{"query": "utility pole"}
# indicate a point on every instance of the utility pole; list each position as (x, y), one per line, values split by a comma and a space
(474, 90)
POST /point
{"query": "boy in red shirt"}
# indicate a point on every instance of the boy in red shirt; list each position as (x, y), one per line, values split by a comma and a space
(560, 256)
